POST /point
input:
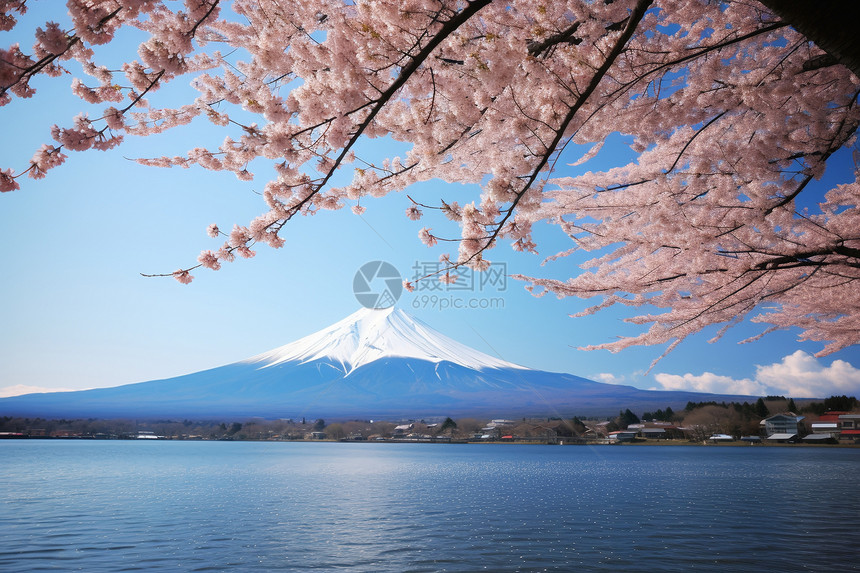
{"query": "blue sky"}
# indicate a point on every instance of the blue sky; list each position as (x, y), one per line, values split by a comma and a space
(77, 314)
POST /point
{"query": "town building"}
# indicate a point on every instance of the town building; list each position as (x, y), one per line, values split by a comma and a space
(849, 427)
(822, 432)
(657, 430)
(782, 427)
(622, 436)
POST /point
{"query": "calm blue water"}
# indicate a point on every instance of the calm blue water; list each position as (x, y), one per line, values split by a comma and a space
(222, 506)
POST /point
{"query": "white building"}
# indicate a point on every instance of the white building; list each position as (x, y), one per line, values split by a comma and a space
(782, 427)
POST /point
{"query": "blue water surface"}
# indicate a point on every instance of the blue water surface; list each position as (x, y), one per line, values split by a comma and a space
(274, 506)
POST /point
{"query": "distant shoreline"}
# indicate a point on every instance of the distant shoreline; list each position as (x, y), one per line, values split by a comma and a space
(561, 442)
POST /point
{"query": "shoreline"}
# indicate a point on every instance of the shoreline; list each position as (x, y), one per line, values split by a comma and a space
(560, 442)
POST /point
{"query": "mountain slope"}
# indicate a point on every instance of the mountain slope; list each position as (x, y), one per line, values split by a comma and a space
(370, 334)
(373, 364)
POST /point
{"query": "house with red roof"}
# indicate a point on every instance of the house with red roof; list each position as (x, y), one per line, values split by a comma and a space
(849, 427)
(825, 429)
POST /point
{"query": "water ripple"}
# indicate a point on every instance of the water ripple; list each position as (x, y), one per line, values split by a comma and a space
(103, 506)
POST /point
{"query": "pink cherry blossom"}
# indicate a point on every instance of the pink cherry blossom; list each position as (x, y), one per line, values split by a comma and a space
(448, 278)
(7, 181)
(46, 158)
(183, 277)
(52, 39)
(245, 252)
(731, 110)
(225, 254)
(239, 236)
(426, 237)
(209, 260)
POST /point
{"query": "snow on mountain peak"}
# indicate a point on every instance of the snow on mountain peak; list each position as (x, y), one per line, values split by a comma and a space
(371, 334)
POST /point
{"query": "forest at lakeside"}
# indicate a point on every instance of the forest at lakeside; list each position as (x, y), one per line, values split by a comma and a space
(699, 420)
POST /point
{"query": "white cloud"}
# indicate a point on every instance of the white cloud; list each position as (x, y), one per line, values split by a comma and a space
(608, 378)
(19, 389)
(798, 375)
(711, 383)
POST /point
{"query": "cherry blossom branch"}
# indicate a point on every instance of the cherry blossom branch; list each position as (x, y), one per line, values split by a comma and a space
(689, 141)
(636, 15)
(730, 115)
(37, 67)
(374, 106)
(405, 73)
(536, 48)
(83, 136)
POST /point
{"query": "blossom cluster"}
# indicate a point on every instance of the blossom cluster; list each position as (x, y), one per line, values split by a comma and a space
(730, 114)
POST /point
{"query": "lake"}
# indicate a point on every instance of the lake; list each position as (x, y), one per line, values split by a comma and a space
(277, 506)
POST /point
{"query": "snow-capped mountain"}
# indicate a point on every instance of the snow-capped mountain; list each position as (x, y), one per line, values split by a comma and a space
(372, 364)
(371, 334)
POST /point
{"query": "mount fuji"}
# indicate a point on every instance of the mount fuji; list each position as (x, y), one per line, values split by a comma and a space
(372, 364)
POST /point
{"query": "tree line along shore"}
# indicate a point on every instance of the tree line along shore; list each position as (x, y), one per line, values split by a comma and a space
(696, 423)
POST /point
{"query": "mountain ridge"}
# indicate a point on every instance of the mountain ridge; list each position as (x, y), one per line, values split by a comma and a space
(369, 334)
(372, 364)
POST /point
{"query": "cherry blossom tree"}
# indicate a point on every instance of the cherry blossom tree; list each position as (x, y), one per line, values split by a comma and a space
(732, 108)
